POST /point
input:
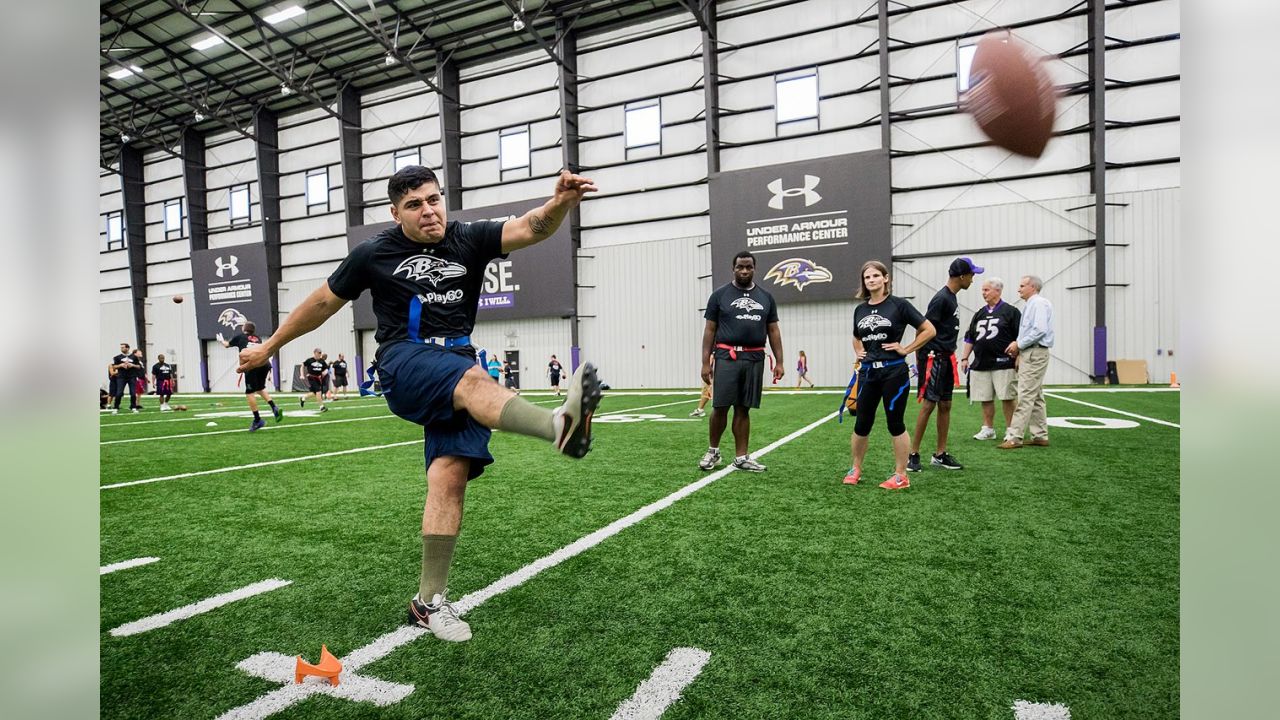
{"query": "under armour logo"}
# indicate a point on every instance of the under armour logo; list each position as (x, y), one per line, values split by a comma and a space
(225, 266)
(810, 197)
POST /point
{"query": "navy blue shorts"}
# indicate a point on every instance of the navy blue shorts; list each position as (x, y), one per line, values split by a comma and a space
(418, 382)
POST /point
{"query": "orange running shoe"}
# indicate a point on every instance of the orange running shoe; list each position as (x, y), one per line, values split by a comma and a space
(896, 482)
(853, 476)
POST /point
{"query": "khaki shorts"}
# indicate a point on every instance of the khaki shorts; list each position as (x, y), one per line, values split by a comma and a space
(987, 385)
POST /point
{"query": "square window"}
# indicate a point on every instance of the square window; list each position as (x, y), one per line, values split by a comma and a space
(405, 158)
(797, 97)
(964, 63)
(643, 124)
(173, 217)
(239, 204)
(513, 149)
(115, 231)
(317, 189)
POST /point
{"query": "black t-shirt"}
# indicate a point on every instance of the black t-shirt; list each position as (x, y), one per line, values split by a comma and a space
(127, 364)
(943, 312)
(314, 366)
(439, 284)
(742, 317)
(162, 371)
(242, 341)
(340, 368)
(554, 367)
(884, 322)
(137, 369)
(990, 332)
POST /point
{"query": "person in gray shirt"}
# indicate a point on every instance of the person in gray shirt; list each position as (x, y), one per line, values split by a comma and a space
(1031, 349)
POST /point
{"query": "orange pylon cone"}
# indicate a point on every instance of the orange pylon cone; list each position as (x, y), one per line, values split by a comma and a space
(328, 667)
(1173, 380)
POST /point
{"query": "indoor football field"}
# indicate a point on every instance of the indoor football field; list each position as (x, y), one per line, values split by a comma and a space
(1034, 582)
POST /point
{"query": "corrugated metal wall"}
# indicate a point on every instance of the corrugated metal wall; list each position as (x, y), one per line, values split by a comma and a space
(536, 339)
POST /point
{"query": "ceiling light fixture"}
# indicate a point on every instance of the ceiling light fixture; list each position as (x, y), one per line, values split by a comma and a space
(390, 60)
(516, 23)
(199, 116)
(207, 42)
(125, 137)
(283, 14)
(285, 89)
(122, 73)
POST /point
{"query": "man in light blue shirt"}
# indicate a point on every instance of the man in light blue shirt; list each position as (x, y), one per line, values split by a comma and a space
(1031, 349)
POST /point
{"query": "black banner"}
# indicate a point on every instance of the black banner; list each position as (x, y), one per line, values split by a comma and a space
(533, 282)
(811, 224)
(231, 289)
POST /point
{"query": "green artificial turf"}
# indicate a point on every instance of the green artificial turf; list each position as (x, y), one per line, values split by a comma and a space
(1042, 574)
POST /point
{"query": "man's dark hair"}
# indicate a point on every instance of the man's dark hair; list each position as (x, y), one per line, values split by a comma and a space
(743, 254)
(409, 177)
(249, 328)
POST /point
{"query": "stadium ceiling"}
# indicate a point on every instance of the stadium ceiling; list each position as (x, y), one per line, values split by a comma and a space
(172, 64)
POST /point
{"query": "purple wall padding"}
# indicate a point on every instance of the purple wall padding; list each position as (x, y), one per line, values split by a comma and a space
(1100, 351)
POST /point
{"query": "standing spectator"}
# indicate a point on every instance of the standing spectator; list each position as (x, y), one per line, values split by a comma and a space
(512, 374)
(739, 315)
(802, 370)
(1035, 337)
(162, 376)
(139, 374)
(495, 368)
(118, 370)
(553, 370)
(992, 374)
(314, 370)
(339, 369)
(936, 365)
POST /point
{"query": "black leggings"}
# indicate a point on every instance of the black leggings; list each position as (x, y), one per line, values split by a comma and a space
(889, 385)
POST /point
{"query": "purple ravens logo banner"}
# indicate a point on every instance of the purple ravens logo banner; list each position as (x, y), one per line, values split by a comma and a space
(797, 272)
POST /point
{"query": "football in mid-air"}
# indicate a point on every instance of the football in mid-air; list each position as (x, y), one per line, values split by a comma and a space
(1010, 94)
(177, 298)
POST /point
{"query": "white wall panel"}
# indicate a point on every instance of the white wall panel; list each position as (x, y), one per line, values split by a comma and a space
(171, 329)
(335, 336)
(115, 322)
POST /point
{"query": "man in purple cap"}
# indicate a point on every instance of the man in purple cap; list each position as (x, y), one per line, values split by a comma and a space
(936, 365)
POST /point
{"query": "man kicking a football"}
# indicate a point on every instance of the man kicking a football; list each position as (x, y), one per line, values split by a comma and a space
(425, 276)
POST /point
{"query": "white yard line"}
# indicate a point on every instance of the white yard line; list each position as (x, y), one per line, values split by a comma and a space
(279, 699)
(234, 468)
(664, 686)
(193, 414)
(1023, 710)
(646, 407)
(163, 619)
(126, 564)
(1113, 410)
(245, 430)
(1116, 390)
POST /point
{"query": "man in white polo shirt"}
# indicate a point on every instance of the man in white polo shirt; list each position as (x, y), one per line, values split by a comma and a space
(1035, 337)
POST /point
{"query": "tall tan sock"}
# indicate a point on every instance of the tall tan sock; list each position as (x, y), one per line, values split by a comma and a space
(437, 555)
(523, 417)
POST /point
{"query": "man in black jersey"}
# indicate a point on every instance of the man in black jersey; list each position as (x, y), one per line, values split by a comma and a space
(255, 378)
(122, 368)
(425, 276)
(313, 371)
(554, 368)
(339, 369)
(992, 374)
(739, 316)
(162, 377)
(936, 365)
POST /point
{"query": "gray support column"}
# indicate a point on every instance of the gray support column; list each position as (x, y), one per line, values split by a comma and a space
(1098, 113)
(135, 233)
(195, 188)
(711, 84)
(266, 127)
(351, 145)
(883, 21)
(567, 49)
(450, 131)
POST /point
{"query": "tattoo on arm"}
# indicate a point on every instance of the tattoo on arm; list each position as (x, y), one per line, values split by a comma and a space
(540, 224)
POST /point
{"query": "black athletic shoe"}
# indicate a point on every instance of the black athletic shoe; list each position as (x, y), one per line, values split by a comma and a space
(257, 425)
(913, 463)
(302, 402)
(572, 420)
(945, 460)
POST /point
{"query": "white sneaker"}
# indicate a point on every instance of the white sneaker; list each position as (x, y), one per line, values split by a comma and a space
(698, 412)
(986, 433)
(115, 411)
(135, 410)
(710, 459)
(749, 464)
(439, 617)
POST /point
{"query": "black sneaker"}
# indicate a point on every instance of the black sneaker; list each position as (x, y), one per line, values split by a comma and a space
(302, 402)
(913, 463)
(945, 460)
(257, 425)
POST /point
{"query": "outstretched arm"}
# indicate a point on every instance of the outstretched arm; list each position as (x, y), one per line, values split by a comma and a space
(541, 223)
(319, 306)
